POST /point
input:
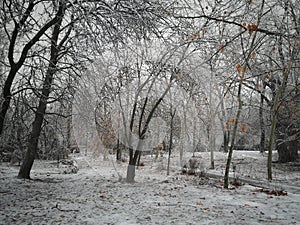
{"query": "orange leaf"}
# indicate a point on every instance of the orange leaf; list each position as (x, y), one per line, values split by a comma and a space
(193, 37)
(232, 121)
(226, 127)
(244, 24)
(252, 27)
(239, 68)
(222, 48)
(253, 54)
(244, 127)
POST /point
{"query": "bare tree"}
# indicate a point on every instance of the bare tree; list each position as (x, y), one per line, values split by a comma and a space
(21, 16)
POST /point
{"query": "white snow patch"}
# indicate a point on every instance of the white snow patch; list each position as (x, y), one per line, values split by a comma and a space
(96, 196)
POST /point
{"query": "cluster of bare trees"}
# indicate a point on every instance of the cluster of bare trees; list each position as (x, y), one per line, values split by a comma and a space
(213, 73)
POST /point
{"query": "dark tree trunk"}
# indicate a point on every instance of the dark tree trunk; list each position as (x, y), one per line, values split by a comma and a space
(232, 142)
(262, 126)
(131, 166)
(226, 140)
(7, 96)
(170, 141)
(288, 151)
(119, 151)
(39, 115)
(33, 142)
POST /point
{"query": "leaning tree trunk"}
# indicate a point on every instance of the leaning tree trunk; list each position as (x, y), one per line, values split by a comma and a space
(39, 115)
(274, 121)
(227, 168)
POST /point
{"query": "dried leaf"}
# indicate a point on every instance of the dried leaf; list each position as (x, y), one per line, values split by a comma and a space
(179, 75)
(222, 48)
(226, 127)
(193, 37)
(244, 127)
(239, 68)
(252, 27)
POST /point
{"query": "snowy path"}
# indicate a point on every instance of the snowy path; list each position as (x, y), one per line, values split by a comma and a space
(95, 196)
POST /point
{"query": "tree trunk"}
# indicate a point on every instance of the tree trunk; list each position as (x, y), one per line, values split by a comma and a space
(7, 95)
(119, 151)
(212, 141)
(170, 141)
(288, 151)
(131, 165)
(262, 126)
(130, 173)
(226, 140)
(33, 142)
(274, 121)
(39, 115)
(226, 176)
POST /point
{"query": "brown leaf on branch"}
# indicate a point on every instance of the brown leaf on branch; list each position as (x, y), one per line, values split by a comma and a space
(193, 37)
(222, 48)
(244, 127)
(252, 27)
(239, 68)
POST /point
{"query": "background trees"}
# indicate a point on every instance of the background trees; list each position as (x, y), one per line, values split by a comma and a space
(56, 43)
(229, 58)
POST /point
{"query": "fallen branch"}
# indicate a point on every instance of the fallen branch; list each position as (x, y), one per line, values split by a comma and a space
(64, 210)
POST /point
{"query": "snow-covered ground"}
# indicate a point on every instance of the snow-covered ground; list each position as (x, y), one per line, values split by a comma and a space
(95, 195)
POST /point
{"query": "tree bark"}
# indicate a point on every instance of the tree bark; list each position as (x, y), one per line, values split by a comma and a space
(171, 140)
(262, 126)
(132, 164)
(227, 168)
(274, 121)
(39, 115)
(7, 95)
